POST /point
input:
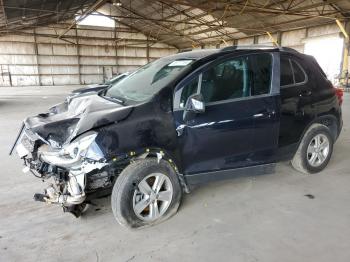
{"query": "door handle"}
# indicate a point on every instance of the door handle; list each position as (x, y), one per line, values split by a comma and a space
(267, 113)
(180, 130)
(258, 115)
(305, 93)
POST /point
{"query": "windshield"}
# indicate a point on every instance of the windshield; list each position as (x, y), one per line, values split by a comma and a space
(148, 80)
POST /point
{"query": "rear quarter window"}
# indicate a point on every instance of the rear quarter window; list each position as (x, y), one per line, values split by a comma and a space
(299, 73)
(292, 72)
(286, 72)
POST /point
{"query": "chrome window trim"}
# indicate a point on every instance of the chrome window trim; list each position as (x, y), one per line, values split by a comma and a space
(237, 99)
(231, 100)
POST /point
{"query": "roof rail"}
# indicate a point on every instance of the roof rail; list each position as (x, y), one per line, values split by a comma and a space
(288, 49)
(258, 47)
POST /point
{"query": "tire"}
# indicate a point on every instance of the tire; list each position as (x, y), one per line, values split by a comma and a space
(303, 158)
(127, 189)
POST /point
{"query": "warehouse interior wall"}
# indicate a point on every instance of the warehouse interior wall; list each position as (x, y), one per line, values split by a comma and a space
(85, 55)
(89, 54)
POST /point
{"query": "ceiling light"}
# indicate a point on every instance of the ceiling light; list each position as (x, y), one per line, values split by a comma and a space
(117, 3)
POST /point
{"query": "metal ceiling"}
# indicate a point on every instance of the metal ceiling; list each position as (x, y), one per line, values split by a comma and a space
(19, 14)
(181, 23)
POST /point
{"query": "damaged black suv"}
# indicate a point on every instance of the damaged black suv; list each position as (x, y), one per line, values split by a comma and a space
(179, 121)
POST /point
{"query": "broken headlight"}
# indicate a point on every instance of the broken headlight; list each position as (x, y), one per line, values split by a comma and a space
(72, 153)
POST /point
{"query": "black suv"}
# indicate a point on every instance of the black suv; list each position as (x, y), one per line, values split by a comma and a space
(179, 121)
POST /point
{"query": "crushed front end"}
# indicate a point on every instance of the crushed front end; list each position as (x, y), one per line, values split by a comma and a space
(74, 171)
(60, 147)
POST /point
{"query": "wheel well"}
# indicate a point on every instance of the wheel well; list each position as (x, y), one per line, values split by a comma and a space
(331, 122)
(165, 156)
(157, 153)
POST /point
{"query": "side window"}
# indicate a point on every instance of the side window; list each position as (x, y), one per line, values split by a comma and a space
(286, 72)
(238, 77)
(226, 80)
(188, 90)
(299, 74)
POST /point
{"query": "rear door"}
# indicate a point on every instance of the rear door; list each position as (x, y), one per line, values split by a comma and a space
(241, 109)
(267, 109)
(297, 108)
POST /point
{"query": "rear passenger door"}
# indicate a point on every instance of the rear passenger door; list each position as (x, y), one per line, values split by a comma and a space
(240, 116)
(296, 100)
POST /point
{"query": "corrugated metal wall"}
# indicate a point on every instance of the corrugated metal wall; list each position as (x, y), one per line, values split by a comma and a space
(92, 55)
(294, 39)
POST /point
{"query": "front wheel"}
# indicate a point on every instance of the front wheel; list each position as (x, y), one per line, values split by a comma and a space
(315, 150)
(146, 193)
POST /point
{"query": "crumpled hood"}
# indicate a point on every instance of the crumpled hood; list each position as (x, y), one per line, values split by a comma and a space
(73, 117)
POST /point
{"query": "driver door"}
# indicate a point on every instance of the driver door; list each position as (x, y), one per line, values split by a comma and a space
(222, 137)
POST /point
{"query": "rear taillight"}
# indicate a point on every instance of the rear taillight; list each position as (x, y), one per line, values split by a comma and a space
(340, 93)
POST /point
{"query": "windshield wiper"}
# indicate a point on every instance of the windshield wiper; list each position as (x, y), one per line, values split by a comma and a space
(119, 100)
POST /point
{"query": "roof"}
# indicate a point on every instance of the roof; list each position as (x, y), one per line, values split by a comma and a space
(181, 23)
(196, 54)
(204, 53)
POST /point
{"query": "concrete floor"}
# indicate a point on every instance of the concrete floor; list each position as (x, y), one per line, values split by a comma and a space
(266, 218)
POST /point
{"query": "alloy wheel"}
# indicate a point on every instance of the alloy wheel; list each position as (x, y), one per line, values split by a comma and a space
(152, 197)
(318, 150)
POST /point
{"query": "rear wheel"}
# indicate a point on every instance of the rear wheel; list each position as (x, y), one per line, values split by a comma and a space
(314, 151)
(146, 193)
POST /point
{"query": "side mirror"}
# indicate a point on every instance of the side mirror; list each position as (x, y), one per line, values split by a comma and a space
(194, 105)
